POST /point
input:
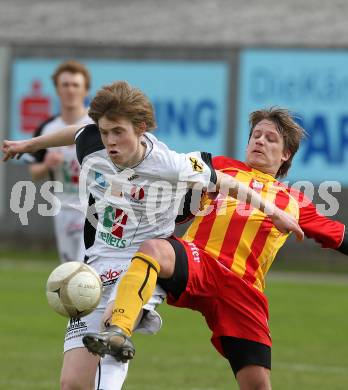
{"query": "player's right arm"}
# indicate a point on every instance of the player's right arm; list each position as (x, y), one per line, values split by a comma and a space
(327, 232)
(64, 137)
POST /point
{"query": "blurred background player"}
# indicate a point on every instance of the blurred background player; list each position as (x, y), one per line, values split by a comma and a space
(72, 82)
(219, 268)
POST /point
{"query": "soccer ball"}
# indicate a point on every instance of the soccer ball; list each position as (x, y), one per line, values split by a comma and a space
(73, 289)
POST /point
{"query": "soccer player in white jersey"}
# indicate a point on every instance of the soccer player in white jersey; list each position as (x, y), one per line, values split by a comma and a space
(72, 83)
(134, 185)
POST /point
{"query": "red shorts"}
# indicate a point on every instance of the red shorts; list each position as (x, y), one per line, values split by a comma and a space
(230, 305)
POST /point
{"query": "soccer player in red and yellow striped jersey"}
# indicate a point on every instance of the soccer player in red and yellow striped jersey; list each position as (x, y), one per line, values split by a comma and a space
(219, 267)
(243, 238)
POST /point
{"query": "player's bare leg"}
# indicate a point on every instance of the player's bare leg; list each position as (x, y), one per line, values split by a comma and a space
(155, 258)
(78, 360)
(254, 378)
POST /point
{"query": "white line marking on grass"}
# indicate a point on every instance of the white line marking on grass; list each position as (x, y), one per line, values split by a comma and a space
(303, 367)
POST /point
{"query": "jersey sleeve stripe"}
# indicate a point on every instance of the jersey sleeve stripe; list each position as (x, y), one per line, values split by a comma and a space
(207, 158)
(78, 132)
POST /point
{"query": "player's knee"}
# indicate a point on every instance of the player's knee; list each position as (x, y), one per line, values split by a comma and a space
(254, 378)
(150, 248)
(259, 384)
(162, 252)
(65, 384)
(262, 385)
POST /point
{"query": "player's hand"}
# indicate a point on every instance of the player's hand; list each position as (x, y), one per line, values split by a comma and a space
(53, 159)
(286, 223)
(12, 149)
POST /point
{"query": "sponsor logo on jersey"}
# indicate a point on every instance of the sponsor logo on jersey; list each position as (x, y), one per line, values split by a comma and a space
(110, 277)
(137, 193)
(75, 324)
(76, 328)
(195, 252)
(100, 180)
(112, 241)
(197, 166)
(114, 222)
(133, 177)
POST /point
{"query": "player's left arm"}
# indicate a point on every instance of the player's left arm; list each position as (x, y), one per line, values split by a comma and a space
(327, 232)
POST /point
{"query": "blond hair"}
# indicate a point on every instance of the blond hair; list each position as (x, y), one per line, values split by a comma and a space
(120, 99)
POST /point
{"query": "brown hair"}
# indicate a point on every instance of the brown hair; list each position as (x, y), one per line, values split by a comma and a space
(291, 132)
(72, 67)
(120, 99)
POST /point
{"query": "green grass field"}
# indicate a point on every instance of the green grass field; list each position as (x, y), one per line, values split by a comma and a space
(309, 322)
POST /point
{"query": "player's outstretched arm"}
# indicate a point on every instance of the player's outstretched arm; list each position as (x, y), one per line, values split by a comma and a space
(283, 221)
(12, 149)
(343, 248)
(327, 232)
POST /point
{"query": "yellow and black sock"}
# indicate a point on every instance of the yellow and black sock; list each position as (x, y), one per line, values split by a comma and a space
(135, 289)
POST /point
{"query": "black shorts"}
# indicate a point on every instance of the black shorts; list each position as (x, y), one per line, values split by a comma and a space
(239, 352)
(176, 285)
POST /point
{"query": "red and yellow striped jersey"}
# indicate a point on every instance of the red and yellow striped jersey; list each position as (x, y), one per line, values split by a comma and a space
(243, 238)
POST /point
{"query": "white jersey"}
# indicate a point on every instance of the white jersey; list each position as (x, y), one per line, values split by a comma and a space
(67, 173)
(131, 205)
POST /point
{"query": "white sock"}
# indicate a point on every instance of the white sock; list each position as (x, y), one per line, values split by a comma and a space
(110, 374)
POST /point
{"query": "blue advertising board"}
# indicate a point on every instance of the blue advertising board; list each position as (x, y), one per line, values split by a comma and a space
(189, 97)
(313, 84)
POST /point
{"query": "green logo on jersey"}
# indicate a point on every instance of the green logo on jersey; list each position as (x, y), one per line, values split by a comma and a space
(114, 221)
